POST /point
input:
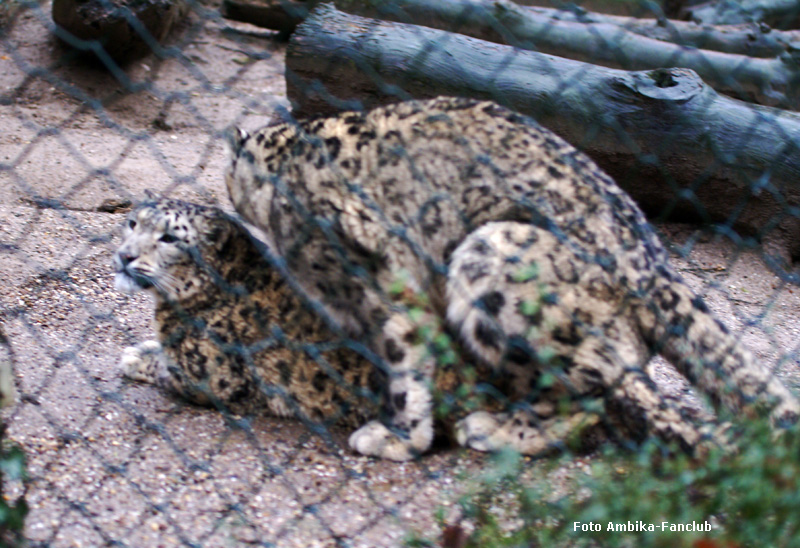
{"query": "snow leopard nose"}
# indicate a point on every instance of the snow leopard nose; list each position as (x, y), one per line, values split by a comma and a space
(126, 257)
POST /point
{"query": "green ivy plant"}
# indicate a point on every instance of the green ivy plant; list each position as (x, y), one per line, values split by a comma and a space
(12, 515)
(746, 498)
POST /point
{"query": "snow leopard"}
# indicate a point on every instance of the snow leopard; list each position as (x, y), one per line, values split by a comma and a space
(537, 261)
(233, 333)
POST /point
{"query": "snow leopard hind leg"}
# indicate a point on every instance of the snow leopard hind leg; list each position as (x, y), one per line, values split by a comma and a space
(524, 301)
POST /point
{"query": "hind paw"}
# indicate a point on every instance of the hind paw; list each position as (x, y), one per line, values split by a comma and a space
(477, 429)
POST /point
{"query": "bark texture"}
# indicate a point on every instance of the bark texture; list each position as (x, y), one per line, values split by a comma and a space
(750, 39)
(679, 147)
(781, 14)
(606, 41)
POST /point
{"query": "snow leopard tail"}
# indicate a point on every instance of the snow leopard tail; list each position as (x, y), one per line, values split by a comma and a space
(678, 325)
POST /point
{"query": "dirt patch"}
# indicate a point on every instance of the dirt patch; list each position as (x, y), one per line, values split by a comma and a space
(115, 462)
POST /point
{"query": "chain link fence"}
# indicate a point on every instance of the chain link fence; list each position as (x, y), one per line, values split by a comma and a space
(110, 462)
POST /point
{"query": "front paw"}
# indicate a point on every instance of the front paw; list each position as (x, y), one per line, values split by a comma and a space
(376, 440)
(141, 362)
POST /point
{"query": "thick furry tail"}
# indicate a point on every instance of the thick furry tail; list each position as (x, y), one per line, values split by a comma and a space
(678, 325)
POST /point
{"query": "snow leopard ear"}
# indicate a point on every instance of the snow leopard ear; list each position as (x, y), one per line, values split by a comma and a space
(218, 231)
(151, 195)
(235, 138)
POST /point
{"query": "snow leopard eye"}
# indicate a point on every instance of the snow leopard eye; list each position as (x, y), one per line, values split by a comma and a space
(131, 224)
(168, 238)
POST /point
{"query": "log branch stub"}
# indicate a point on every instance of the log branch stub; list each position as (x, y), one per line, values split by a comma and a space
(678, 85)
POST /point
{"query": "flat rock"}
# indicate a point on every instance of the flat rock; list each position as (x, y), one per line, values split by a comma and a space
(126, 29)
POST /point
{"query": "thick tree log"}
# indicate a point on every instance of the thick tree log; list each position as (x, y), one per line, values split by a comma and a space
(765, 81)
(672, 141)
(285, 15)
(772, 82)
(625, 8)
(750, 39)
(780, 14)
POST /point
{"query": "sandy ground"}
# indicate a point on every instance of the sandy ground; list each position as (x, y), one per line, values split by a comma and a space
(115, 463)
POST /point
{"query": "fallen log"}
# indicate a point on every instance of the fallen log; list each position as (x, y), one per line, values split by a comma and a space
(770, 82)
(780, 14)
(764, 81)
(750, 39)
(631, 8)
(676, 145)
(285, 15)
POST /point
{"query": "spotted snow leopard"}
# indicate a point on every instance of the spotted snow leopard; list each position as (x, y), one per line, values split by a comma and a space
(230, 331)
(233, 333)
(552, 267)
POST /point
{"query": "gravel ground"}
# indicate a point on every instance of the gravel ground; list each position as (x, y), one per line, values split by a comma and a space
(117, 463)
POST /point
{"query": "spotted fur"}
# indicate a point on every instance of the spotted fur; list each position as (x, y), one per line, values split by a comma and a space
(360, 202)
(233, 334)
(230, 331)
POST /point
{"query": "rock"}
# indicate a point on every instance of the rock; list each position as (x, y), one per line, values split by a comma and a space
(7, 390)
(113, 24)
(115, 205)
